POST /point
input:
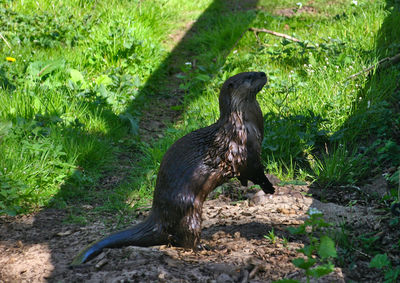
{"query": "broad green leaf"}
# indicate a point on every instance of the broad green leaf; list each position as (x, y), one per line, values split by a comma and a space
(10, 212)
(202, 77)
(103, 80)
(307, 250)
(380, 261)
(76, 76)
(321, 270)
(303, 264)
(51, 66)
(392, 274)
(42, 68)
(78, 79)
(297, 230)
(327, 248)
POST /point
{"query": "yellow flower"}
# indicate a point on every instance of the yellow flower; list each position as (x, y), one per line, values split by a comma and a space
(10, 59)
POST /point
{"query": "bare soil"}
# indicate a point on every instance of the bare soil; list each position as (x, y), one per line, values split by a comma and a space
(291, 12)
(39, 247)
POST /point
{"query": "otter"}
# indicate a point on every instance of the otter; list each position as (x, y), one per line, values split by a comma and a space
(195, 165)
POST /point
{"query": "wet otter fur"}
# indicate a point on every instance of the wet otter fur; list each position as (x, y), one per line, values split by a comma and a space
(195, 165)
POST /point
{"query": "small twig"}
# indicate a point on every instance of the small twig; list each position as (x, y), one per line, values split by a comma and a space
(362, 253)
(257, 38)
(254, 271)
(288, 37)
(383, 63)
(101, 263)
(44, 69)
(5, 40)
(256, 31)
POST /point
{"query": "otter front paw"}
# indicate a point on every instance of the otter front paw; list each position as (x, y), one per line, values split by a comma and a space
(268, 188)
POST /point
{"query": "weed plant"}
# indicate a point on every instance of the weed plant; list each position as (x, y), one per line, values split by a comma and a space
(321, 245)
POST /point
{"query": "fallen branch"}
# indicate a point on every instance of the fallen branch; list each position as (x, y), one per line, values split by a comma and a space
(288, 37)
(383, 63)
(5, 40)
(256, 31)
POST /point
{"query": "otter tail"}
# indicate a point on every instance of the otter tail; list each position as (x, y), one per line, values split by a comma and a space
(145, 234)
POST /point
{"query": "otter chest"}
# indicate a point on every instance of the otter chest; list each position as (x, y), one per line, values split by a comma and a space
(228, 153)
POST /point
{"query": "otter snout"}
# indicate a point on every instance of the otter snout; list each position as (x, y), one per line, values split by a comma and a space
(260, 79)
(260, 76)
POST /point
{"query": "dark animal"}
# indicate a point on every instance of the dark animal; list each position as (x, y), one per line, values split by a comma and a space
(195, 165)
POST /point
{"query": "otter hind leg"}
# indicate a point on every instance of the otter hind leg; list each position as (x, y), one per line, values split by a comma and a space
(188, 234)
(243, 180)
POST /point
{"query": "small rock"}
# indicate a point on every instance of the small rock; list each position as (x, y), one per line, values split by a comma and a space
(273, 179)
(171, 262)
(282, 210)
(101, 263)
(66, 233)
(101, 256)
(161, 276)
(259, 198)
(87, 206)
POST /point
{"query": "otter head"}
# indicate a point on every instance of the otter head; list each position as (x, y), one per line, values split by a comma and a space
(240, 90)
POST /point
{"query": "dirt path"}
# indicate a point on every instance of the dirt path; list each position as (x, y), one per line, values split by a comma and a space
(38, 248)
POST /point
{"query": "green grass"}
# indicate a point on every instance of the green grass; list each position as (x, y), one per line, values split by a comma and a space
(85, 71)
